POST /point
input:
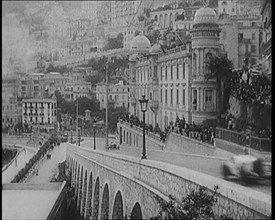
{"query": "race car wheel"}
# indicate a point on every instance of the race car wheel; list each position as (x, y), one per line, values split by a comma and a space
(225, 171)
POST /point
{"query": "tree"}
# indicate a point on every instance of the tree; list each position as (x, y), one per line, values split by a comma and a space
(141, 18)
(196, 205)
(114, 43)
(220, 68)
(114, 115)
(114, 66)
(154, 36)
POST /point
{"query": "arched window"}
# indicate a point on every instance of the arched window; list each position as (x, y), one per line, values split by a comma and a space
(206, 60)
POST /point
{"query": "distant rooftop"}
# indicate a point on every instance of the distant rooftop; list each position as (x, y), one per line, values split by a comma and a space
(29, 201)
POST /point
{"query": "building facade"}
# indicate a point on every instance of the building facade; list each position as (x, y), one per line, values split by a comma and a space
(174, 82)
(31, 86)
(11, 112)
(39, 111)
(118, 95)
(265, 44)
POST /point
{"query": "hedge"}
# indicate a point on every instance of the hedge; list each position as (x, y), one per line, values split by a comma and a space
(43, 149)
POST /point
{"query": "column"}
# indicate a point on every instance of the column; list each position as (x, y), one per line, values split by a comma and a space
(202, 61)
(202, 97)
(198, 63)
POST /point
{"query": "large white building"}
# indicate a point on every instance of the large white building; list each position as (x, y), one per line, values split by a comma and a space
(39, 111)
(174, 82)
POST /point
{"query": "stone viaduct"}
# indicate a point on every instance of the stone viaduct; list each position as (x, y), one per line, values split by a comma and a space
(112, 186)
(166, 18)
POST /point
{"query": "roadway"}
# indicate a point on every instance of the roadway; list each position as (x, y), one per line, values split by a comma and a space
(202, 163)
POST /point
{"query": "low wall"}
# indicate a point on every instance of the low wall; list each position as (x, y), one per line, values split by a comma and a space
(234, 200)
(238, 149)
(188, 145)
(136, 132)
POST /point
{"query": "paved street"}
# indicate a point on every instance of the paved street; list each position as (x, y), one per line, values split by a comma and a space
(47, 168)
(204, 164)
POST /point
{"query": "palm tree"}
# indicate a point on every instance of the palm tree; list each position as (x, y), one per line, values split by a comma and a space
(219, 67)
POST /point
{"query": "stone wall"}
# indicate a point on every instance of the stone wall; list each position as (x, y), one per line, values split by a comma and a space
(165, 179)
(188, 145)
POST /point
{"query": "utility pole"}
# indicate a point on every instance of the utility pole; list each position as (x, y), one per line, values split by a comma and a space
(77, 135)
(106, 145)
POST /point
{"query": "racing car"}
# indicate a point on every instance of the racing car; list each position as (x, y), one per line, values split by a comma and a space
(245, 167)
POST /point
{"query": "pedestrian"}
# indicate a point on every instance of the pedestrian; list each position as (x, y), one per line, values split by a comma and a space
(36, 172)
(212, 137)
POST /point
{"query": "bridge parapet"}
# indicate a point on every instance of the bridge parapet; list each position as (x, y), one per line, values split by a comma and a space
(234, 200)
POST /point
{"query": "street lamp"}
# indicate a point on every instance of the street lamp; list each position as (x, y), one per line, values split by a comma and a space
(71, 136)
(94, 125)
(143, 104)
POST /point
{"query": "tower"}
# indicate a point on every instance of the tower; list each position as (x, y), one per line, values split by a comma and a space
(205, 43)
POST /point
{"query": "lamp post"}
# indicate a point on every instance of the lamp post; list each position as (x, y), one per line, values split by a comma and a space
(143, 104)
(77, 131)
(107, 96)
(71, 136)
(94, 125)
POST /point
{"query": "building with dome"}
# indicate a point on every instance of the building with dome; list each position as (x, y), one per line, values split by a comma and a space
(174, 81)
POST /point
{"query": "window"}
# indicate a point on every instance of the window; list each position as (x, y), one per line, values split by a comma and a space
(183, 97)
(177, 71)
(240, 36)
(161, 96)
(166, 69)
(195, 99)
(253, 36)
(177, 98)
(171, 96)
(161, 73)
(165, 96)
(183, 71)
(171, 72)
(208, 99)
(253, 48)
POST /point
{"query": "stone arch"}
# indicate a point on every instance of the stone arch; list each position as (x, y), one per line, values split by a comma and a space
(136, 212)
(105, 203)
(156, 18)
(165, 20)
(77, 179)
(80, 186)
(161, 20)
(176, 15)
(118, 207)
(96, 200)
(170, 19)
(84, 195)
(88, 211)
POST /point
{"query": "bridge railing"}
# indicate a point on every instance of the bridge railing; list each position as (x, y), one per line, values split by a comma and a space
(256, 143)
(177, 181)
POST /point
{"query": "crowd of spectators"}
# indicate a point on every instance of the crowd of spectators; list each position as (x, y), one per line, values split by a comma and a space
(199, 132)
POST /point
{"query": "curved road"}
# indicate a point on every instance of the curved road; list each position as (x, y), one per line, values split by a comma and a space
(206, 164)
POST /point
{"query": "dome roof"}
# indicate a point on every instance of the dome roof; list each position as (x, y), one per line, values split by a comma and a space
(155, 49)
(140, 44)
(205, 15)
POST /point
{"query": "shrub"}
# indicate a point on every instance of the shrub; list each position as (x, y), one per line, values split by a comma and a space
(197, 205)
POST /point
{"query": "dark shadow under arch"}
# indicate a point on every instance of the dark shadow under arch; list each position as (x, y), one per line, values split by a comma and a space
(96, 200)
(118, 207)
(89, 197)
(105, 203)
(136, 212)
